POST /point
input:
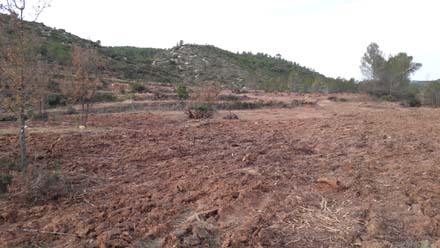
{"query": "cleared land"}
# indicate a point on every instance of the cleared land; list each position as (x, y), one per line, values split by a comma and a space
(338, 174)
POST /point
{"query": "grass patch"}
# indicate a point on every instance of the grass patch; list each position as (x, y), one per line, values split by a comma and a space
(5, 181)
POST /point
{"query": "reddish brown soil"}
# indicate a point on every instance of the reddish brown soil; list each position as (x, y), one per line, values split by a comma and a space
(340, 175)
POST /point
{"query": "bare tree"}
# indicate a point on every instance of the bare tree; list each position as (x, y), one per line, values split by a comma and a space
(18, 63)
(85, 81)
(41, 86)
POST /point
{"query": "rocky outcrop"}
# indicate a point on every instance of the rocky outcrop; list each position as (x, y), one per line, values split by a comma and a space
(196, 64)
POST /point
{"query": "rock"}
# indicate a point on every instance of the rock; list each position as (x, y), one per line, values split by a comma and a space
(333, 183)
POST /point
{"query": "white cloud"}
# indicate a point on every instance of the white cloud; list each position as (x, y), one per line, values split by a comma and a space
(329, 36)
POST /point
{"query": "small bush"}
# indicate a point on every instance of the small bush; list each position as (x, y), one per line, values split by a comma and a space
(182, 92)
(55, 100)
(201, 111)
(42, 186)
(122, 91)
(431, 94)
(105, 97)
(8, 118)
(412, 101)
(387, 98)
(231, 116)
(138, 88)
(8, 164)
(71, 111)
(54, 86)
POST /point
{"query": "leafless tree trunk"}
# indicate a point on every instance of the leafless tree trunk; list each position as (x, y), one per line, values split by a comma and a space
(85, 80)
(17, 65)
(22, 138)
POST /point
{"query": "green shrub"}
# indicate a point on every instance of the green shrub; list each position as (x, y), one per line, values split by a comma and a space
(8, 117)
(138, 88)
(412, 101)
(58, 52)
(122, 91)
(54, 86)
(201, 111)
(5, 181)
(8, 164)
(387, 98)
(182, 92)
(431, 94)
(105, 97)
(56, 100)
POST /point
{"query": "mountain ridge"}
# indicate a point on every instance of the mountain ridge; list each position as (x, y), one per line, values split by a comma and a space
(189, 64)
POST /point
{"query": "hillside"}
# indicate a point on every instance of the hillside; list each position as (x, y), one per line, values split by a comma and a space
(189, 64)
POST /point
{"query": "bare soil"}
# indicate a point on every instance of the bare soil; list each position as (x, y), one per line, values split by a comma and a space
(339, 174)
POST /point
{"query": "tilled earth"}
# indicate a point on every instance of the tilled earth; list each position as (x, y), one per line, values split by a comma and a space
(345, 175)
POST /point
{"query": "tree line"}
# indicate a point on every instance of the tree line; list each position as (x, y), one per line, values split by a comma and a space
(389, 77)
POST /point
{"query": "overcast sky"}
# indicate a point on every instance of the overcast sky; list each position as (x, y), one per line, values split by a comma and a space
(329, 36)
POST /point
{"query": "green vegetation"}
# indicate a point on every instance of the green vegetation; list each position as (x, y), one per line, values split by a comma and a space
(253, 71)
(182, 92)
(132, 54)
(387, 77)
(6, 166)
(5, 181)
(105, 97)
(57, 52)
(138, 88)
(430, 94)
(269, 73)
(55, 100)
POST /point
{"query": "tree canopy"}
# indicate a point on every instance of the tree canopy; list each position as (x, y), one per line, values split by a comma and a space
(387, 76)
